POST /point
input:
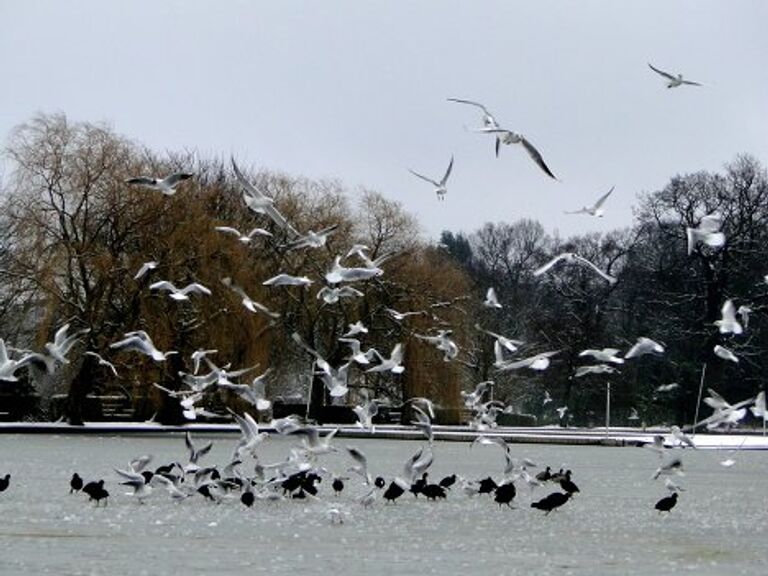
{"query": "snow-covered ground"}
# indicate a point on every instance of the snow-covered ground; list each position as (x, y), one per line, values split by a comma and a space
(719, 526)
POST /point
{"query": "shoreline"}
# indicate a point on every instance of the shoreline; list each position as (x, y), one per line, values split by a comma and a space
(613, 437)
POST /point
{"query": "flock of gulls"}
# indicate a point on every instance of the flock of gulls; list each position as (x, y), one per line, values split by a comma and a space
(299, 475)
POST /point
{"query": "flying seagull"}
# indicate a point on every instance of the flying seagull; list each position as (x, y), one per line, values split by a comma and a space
(260, 203)
(180, 294)
(491, 300)
(572, 257)
(488, 119)
(597, 208)
(673, 80)
(247, 301)
(165, 185)
(440, 188)
(509, 137)
(708, 232)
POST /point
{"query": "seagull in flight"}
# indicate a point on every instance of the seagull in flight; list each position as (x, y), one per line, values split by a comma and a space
(392, 364)
(537, 362)
(597, 208)
(725, 353)
(728, 324)
(572, 257)
(312, 239)
(260, 203)
(165, 185)
(491, 300)
(102, 362)
(440, 187)
(673, 81)
(146, 267)
(644, 346)
(488, 119)
(243, 238)
(509, 137)
(355, 329)
(139, 341)
(708, 232)
(604, 355)
(287, 280)
(247, 301)
(180, 294)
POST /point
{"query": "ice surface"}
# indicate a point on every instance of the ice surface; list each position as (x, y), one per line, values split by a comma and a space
(718, 526)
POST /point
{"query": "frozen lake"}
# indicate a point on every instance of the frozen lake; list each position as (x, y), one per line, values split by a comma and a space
(720, 525)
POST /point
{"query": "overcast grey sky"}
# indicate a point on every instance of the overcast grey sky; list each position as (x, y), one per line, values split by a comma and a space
(356, 90)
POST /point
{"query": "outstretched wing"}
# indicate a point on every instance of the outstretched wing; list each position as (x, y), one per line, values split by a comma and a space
(447, 173)
(597, 270)
(424, 178)
(544, 269)
(537, 157)
(603, 198)
(269, 208)
(666, 75)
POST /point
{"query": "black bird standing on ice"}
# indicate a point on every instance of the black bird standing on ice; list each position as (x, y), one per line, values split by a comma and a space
(76, 483)
(487, 485)
(96, 491)
(505, 493)
(567, 484)
(549, 503)
(667, 503)
(4, 482)
(394, 491)
(448, 481)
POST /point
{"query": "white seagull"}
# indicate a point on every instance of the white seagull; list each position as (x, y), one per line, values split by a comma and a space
(572, 257)
(595, 369)
(392, 364)
(139, 341)
(146, 267)
(488, 119)
(597, 208)
(339, 273)
(312, 239)
(102, 362)
(604, 355)
(355, 329)
(537, 362)
(63, 343)
(165, 185)
(249, 302)
(509, 137)
(333, 295)
(180, 294)
(491, 300)
(728, 324)
(725, 353)
(243, 238)
(673, 81)
(440, 187)
(287, 280)
(708, 232)
(644, 346)
(260, 203)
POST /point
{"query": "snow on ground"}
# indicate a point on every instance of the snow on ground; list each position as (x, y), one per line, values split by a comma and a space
(719, 526)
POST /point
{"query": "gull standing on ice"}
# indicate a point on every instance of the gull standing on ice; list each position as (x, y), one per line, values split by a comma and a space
(673, 81)
(440, 187)
(165, 185)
